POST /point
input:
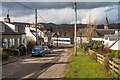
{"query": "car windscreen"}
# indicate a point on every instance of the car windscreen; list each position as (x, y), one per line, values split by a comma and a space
(37, 48)
(46, 47)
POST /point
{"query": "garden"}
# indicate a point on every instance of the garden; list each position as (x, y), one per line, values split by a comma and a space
(86, 65)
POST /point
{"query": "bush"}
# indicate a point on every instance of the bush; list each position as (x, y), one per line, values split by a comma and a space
(110, 56)
(22, 49)
(106, 64)
(94, 56)
(5, 55)
(84, 46)
(30, 45)
(115, 75)
(117, 54)
(94, 45)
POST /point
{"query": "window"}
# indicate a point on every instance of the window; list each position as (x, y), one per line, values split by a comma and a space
(23, 40)
(13, 42)
(5, 43)
(18, 41)
(16, 28)
(3, 28)
(10, 42)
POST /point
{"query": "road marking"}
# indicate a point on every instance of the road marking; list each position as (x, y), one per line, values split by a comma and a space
(27, 76)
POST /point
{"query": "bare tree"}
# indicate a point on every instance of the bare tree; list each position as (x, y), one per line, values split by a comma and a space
(90, 28)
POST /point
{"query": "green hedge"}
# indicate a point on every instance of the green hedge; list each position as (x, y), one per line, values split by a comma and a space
(22, 49)
(5, 55)
(94, 45)
(113, 54)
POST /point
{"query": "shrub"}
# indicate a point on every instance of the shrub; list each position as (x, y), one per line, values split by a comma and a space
(13, 46)
(94, 56)
(106, 64)
(5, 55)
(30, 45)
(84, 46)
(94, 45)
(110, 56)
(22, 49)
(117, 54)
(115, 75)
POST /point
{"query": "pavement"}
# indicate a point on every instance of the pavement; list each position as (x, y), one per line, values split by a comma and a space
(58, 70)
(12, 59)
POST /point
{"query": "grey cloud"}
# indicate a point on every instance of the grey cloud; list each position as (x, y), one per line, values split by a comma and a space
(17, 10)
(56, 5)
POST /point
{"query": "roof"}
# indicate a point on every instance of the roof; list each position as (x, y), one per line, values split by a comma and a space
(10, 30)
(106, 21)
(113, 37)
(97, 32)
(34, 33)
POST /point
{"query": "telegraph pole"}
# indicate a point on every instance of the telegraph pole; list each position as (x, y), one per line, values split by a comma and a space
(36, 24)
(75, 29)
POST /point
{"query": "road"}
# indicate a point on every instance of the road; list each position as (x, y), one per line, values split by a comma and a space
(38, 67)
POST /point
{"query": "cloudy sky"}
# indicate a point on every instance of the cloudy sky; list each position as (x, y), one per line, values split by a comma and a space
(60, 12)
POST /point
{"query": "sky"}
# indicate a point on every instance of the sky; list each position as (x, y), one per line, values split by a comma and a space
(60, 12)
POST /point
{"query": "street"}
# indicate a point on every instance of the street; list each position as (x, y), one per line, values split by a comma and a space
(39, 67)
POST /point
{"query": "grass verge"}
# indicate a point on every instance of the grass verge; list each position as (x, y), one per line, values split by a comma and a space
(82, 66)
(78, 50)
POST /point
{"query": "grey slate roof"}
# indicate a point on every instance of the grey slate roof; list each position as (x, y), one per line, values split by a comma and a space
(113, 37)
(9, 31)
(97, 33)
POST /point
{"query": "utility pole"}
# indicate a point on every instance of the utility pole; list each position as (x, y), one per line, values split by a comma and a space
(36, 24)
(75, 29)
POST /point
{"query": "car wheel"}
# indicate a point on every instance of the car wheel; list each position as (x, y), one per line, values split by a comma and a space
(49, 52)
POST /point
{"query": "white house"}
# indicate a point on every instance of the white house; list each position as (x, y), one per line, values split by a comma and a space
(31, 34)
(112, 41)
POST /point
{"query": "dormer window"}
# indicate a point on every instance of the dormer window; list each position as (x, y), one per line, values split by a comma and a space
(16, 28)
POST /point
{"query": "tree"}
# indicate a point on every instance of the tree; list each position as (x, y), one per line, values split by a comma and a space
(50, 29)
(90, 28)
(65, 34)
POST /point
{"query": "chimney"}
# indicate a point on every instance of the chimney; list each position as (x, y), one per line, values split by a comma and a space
(7, 19)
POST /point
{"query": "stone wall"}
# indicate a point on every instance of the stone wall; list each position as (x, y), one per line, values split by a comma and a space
(15, 37)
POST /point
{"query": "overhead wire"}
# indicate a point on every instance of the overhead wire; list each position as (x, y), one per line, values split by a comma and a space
(31, 9)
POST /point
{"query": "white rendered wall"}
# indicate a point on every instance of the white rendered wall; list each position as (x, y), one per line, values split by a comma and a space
(29, 34)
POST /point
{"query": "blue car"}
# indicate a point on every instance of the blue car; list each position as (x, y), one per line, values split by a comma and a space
(38, 51)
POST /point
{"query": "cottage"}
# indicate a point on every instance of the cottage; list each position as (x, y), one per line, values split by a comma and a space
(31, 34)
(12, 35)
(112, 41)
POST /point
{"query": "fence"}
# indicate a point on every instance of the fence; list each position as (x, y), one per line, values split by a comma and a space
(113, 66)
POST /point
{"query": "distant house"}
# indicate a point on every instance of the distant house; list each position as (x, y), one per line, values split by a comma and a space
(12, 35)
(30, 31)
(112, 41)
(47, 37)
(59, 38)
(31, 34)
(98, 34)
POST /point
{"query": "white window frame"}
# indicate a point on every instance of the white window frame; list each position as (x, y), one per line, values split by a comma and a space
(18, 41)
(5, 43)
(10, 42)
(3, 28)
